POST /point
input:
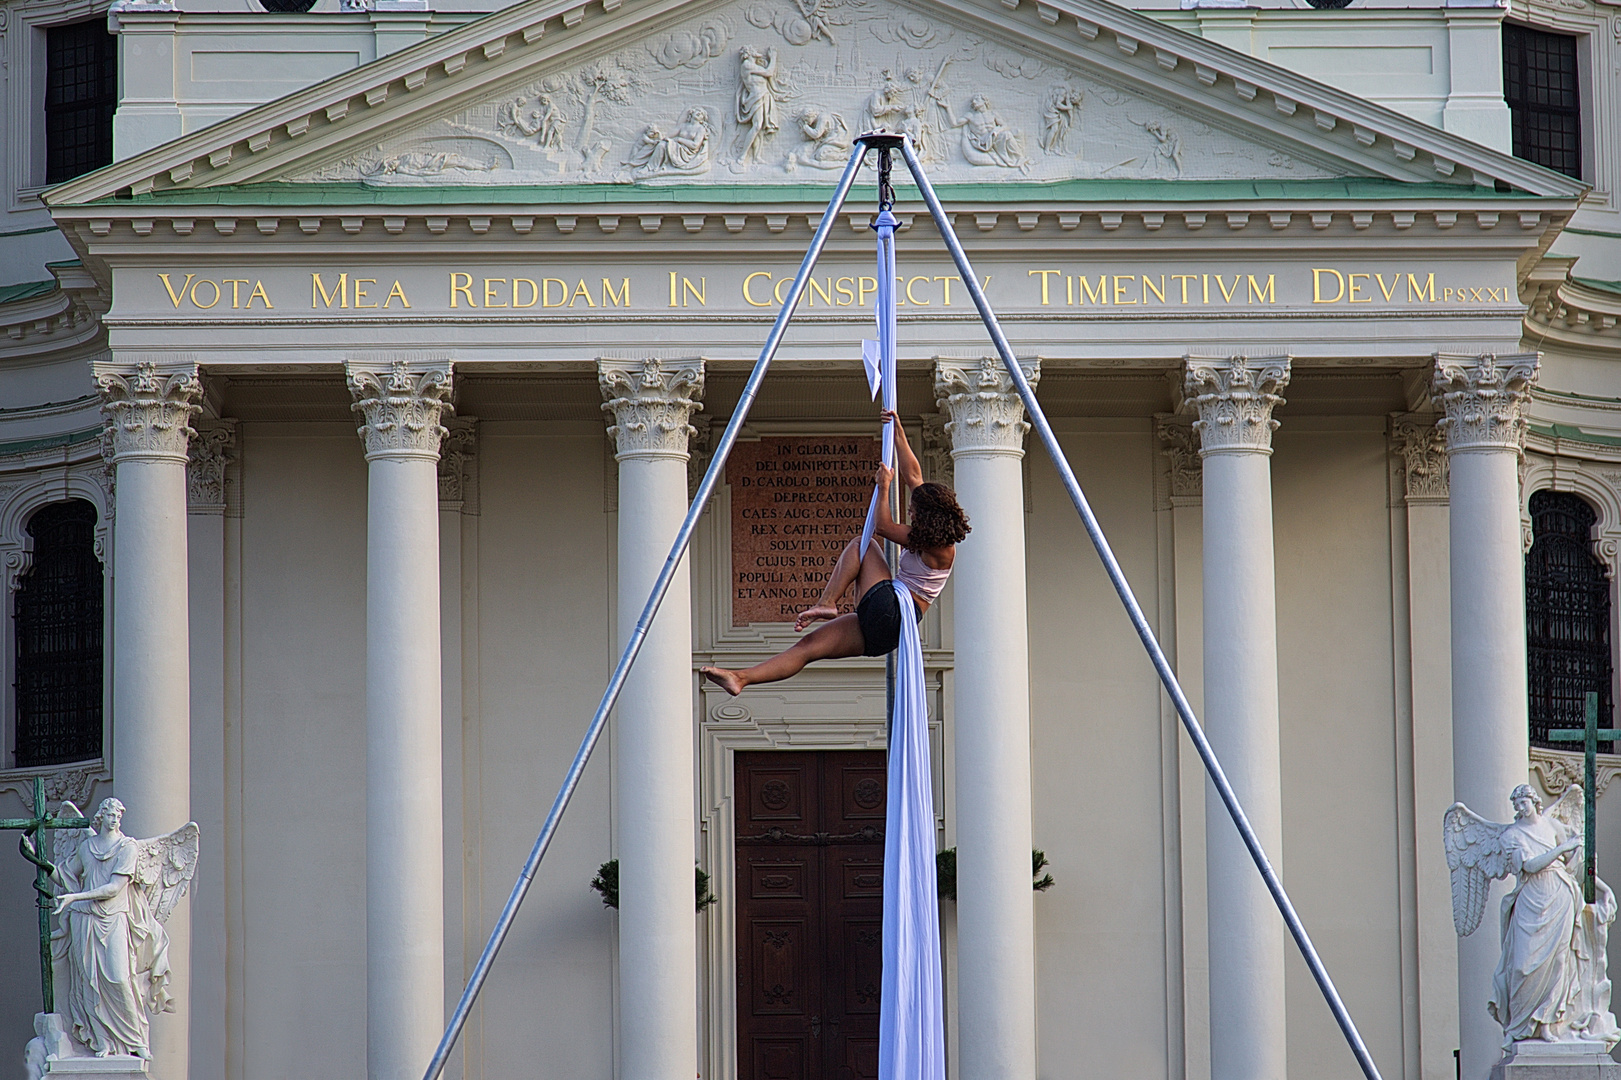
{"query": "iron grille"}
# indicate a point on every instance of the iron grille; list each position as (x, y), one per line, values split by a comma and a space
(81, 91)
(58, 630)
(1567, 618)
(1540, 84)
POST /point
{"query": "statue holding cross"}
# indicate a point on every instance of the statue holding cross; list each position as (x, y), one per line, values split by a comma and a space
(109, 953)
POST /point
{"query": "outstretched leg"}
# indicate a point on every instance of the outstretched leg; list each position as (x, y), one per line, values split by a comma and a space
(839, 638)
(851, 568)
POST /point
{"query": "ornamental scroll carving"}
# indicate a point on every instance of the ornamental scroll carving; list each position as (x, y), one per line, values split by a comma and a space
(651, 402)
(1420, 444)
(1180, 446)
(402, 405)
(458, 466)
(987, 416)
(1234, 398)
(213, 447)
(148, 410)
(1484, 399)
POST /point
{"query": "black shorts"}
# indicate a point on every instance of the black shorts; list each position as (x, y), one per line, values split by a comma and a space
(879, 616)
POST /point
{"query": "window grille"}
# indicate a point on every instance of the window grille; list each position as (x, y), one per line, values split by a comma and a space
(58, 624)
(1567, 617)
(81, 91)
(1540, 84)
(287, 7)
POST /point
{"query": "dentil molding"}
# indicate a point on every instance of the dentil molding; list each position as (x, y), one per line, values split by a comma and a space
(651, 402)
(1234, 397)
(1484, 399)
(402, 402)
(148, 408)
(1420, 444)
(987, 416)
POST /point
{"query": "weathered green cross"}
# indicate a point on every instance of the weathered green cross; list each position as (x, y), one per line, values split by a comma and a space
(32, 845)
(1591, 735)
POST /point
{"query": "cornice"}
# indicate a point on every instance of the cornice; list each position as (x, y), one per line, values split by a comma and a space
(440, 73)
(1566, 313)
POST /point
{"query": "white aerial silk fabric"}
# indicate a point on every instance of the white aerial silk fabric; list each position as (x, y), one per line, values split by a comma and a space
(886, 353)
(911, 1030)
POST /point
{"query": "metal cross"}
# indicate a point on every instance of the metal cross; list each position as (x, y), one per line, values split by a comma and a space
(33, 847)
(1591, 735)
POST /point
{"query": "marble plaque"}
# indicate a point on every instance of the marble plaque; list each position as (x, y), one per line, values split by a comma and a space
(796, 501)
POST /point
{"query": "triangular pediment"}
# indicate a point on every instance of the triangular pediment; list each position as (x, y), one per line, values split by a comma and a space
(758, 92)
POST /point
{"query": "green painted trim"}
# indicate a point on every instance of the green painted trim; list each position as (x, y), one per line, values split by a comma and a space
(1573, 395)
(72, 438)
(65, 264)
(28, 232)
(544, 199)
(1599, 284)
(26, 290)
(1574, 434)
(1591, 232)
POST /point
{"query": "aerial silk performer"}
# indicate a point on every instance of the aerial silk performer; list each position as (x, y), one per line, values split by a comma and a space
(911, 1029)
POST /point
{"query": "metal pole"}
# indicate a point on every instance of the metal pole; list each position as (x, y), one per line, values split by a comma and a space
(633, 646)
(1139, 621)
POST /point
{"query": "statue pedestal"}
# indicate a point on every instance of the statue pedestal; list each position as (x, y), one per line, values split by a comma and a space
(51, 1053)
(108, 1068)
(1557, 1061)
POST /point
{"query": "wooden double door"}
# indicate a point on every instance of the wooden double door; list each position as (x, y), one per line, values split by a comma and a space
(810, 880)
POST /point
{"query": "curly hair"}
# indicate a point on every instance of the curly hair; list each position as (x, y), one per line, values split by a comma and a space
(937, 520)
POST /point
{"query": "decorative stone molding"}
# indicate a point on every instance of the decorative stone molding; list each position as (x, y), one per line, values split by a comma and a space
(651, 402)
(1558, 769)
(1484, 398)
(458, 466)
(1419, 444)
(148, 408)
(74, 783)
(935, 451)
(1234, 397)
(700, 450)
(213, 448)
(986, 415)
(402, 403)
(1180, 445)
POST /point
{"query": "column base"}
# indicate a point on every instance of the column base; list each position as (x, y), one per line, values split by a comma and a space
(1557, 1061)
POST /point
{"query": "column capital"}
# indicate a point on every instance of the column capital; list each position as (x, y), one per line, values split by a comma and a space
(213, 447)
(1484, 398)
(402, 402)
(1234, 397)
(148, 406)
(651, 401)
(986, 414)
(1180, 445)
(1420, 445)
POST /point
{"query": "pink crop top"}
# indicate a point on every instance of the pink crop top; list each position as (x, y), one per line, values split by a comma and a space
(911, 571)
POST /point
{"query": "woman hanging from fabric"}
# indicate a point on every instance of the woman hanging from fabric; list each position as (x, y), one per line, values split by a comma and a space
(938, 524)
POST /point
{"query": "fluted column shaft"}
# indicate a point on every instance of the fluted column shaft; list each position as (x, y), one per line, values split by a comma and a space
(651, 403)
(1234, 399)
(402, 405)
(996, 980)
(1482, 397)
(148, 408)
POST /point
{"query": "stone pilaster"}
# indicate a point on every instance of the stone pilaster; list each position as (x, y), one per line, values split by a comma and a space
(1483, 398)
(650, 403)
(991, 723)
(402, 402)
(1233, 399)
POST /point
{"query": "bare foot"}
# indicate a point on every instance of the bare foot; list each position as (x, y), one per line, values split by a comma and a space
(815, 614)
(728, 681)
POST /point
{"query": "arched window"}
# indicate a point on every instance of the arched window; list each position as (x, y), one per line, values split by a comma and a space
(58, 633)
(1567, 617)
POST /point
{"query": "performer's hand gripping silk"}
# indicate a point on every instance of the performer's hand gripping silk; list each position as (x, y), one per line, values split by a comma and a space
(938, 524)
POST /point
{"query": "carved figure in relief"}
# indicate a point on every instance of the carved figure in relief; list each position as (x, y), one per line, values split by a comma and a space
(886, 107)
(1166, 160)
(424, 163)
(938, 525)
(1058, 113)
(986, 140)
(542, 120)
(809, 20)
(685, 153)
(110, 943)
(828, 138)
(759, 100)
(1551, 983)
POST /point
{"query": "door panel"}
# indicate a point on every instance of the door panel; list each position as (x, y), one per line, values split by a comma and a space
(810, 874)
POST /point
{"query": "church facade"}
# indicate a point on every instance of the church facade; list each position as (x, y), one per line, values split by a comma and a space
(1332, 364)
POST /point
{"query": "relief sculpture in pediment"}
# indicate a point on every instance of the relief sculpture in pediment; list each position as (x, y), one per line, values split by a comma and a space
(761, 90)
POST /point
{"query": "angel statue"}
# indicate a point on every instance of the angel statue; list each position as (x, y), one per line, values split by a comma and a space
(111, 944)
(1551, 983)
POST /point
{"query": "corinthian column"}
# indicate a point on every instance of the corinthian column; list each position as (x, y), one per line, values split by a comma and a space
(402, 404)
(148, 409)
(1482, 397)
(1234, 399)
(651, 402)
(996, 1010)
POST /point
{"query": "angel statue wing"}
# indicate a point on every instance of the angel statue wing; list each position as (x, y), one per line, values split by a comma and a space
(64, 842)
(164, 867)
(1475, 856)
(1569, 811)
